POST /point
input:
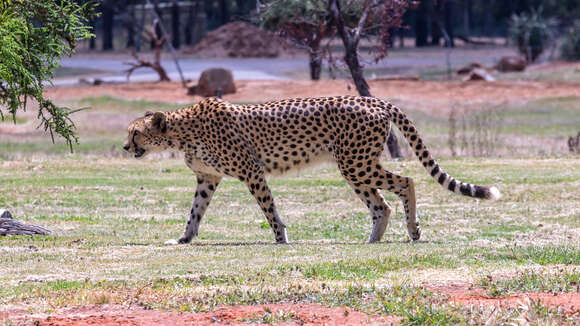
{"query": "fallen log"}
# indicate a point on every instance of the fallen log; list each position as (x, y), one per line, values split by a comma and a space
(10, 226)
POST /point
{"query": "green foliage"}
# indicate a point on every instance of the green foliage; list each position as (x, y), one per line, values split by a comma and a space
(276, 14)
(33, 36)
(571, 45)
(531, 33)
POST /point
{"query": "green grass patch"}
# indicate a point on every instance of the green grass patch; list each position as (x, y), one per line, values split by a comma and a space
(110, 103)
(533, 281)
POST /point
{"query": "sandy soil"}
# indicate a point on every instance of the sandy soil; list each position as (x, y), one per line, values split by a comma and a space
(468, 294)
(431, 96)
(282, 314)
(279, 314)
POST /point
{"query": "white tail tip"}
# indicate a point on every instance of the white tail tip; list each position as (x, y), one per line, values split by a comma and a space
(495, 194)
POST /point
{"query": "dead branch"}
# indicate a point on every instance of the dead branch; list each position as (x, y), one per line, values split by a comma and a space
(158, 43)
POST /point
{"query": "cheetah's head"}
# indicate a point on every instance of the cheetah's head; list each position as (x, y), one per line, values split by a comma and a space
(146, 134)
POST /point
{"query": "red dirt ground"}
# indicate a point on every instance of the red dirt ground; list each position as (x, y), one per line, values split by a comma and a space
(467, 294)
(283, 314)
(257, 91)
(292, 313)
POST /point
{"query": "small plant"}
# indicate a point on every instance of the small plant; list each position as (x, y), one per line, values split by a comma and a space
(270, 317)
(574, 144)
(571, 45)
(475, 134)
(531, 34)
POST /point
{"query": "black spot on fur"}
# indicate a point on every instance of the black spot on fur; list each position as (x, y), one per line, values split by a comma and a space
(434, 171)
(451, 186)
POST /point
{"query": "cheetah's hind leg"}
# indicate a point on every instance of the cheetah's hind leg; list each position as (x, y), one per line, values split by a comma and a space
(380, 210)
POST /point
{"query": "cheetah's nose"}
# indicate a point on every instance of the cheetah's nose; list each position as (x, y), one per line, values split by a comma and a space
(126, 147)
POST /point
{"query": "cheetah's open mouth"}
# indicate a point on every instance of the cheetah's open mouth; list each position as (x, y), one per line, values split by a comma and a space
(139, 152)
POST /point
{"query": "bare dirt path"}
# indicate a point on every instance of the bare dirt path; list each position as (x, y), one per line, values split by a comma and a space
(428, 95)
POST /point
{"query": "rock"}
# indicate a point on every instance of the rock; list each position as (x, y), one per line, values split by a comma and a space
(212, 81)
(469, 68)
(479, 75)
(510, 64)
(4, 213)
(94, 82)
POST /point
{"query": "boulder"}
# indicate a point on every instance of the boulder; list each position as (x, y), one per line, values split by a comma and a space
(510, 64)
(212, 82)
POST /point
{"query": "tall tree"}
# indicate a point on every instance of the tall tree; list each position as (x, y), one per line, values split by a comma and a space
(352, 22)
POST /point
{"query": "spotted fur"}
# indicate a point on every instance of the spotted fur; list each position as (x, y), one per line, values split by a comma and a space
(249, 141)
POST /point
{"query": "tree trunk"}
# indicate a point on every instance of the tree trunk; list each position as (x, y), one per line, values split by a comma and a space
(189, 24)
(421, 24)
(350, 40)
(467, 17)
(449, 11)
(108, 15)
(157, 29)
(315, 59)
(401, 37)
(92, 44)
(130, 25)
(224, 11)
(435, 33)
(175, 35)
(436, 13)
(201, 21)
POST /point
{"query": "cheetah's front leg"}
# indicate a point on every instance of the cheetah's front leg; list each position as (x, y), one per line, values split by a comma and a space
(259, 188)
(206, 186)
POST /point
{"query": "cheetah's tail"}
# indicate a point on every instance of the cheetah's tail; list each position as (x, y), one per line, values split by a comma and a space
(405, 125)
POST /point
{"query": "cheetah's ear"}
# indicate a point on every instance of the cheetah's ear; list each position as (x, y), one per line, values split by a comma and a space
(158, 122)
(148, 113)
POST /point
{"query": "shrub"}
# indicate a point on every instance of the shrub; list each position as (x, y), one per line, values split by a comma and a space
(571, 45)
(531, 34)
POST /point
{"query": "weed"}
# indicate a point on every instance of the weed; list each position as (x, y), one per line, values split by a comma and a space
(533, 281)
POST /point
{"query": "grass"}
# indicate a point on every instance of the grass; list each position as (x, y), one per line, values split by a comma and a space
(110, 103)
(564, 74)
(560, 281)
(112, 215)
(539, 127)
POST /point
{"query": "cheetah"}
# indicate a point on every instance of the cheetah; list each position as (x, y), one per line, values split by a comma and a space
(248, 142)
